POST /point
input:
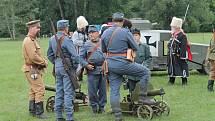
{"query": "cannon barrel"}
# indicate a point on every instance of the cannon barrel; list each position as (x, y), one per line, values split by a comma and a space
(156, 92)
(50, 88)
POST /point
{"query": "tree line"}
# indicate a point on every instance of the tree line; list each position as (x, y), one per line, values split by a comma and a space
(15, 13)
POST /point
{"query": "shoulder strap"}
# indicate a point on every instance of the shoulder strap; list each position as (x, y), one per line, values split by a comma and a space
(59, 42)
(111, 38)
(93, 50)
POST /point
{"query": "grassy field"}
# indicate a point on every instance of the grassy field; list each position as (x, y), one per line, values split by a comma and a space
(199, 37)
(190, 103)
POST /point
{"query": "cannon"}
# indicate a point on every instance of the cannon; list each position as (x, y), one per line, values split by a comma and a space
(130, 104)
(80, 100)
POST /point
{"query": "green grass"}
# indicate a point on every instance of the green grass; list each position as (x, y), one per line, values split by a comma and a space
(203, 38)
(190, 103)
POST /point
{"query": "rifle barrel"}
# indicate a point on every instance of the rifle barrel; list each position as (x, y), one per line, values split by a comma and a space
(186, 12)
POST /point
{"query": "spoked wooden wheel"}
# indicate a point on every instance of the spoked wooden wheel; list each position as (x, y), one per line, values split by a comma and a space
(164, 108)
(50, 104)
(156, 110)
(145, 112)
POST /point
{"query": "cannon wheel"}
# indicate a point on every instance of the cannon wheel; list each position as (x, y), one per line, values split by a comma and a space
(205, 68)
(50, 104)
(145, 111)
(164, 108)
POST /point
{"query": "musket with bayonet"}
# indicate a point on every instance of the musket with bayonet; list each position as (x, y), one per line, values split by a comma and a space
(66, 61)
(185, 15)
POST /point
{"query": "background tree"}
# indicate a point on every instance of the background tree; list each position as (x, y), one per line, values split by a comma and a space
(15, 13)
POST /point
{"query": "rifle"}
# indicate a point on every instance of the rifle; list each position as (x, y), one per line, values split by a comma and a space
(66, 61)
(60, 8)
(185, 15)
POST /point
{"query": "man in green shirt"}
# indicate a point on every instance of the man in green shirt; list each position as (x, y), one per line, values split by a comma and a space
(143, 56)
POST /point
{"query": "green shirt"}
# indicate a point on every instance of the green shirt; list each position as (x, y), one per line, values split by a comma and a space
(143, 57)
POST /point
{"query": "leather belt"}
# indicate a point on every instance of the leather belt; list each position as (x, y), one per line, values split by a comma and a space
(34, 66)
(109, 54)
(28, 64)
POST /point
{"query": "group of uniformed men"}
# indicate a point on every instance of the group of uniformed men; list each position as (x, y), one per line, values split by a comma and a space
(90, 52)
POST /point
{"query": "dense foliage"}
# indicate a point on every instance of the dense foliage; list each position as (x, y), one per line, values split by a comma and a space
(15, 13)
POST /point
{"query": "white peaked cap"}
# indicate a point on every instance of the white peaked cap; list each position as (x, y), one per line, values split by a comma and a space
(81, 22)
(177, 22)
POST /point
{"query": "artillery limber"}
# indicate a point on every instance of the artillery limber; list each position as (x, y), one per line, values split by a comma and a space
(130, 104)
(80, 100)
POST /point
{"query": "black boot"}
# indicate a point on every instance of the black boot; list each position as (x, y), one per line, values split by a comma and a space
(32, 110)
(115, 106)
(95, 111)
(143, 99)
(101, 110)
(184, 81)
(210, 85)
(118, 117)
(40, 111)
(60, 119)
(171, 80)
